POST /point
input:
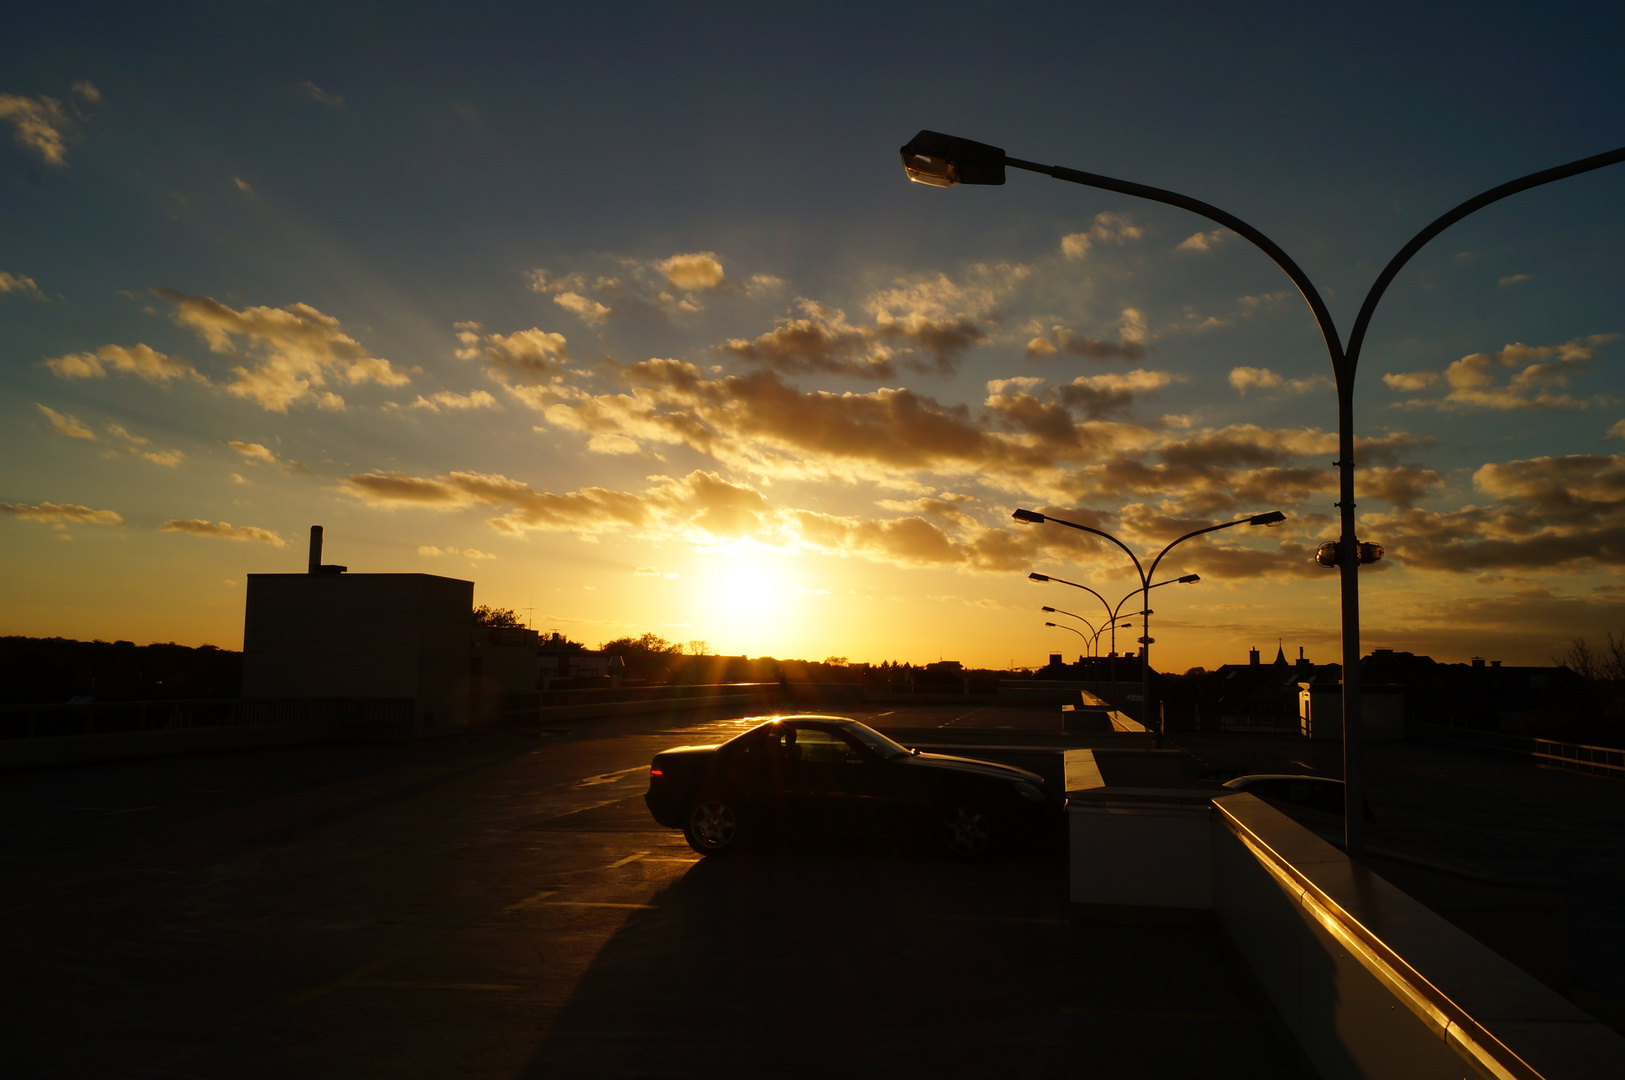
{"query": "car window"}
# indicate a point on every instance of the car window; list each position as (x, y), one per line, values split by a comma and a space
(819, 747)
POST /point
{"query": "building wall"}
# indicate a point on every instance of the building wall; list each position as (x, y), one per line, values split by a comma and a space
(362, 635)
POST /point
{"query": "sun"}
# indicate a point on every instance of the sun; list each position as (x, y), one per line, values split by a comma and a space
(744, 602)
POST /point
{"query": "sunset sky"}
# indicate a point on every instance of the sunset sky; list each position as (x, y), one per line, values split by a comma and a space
(627, 313)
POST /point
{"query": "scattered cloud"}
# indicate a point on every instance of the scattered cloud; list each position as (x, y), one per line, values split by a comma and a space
(525, 356)
(223, 531)
(445, 399)
(1514, 279)
(86, 90)
(1542, 374)
(1546, 514)
(291, 351)
(470, 553)
(1202, 241)
(40, 124)
(320, 96)
(1254, 378)
(1131, 328)
(243, 185)
(66, 425)
(1107, 228)
(645, 571)
(62, 512)
(253, 451)
(1412, 382)
(695, 272)
(17, 283)
(590, 311)
(139, 360)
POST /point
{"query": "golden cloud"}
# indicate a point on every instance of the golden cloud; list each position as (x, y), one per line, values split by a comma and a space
(37, 123)
(293, 350)
(221, 530)
(1543, 372)
(445, 399)
(139, 360)
(17, 283)
(66, 425)
(529, 356)
(53, 512)
(694, 272)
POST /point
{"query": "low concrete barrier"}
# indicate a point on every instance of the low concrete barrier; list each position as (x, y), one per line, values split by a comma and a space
(1372, 983)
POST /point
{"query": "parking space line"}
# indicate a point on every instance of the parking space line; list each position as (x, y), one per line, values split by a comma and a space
(343, 980)
(531, 901)
(598, 903)
(628, 859)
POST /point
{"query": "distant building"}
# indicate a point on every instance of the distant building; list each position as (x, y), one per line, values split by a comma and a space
(404, 638)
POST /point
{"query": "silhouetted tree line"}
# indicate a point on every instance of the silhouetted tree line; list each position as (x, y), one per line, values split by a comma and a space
(38, 671)
(1591, 707)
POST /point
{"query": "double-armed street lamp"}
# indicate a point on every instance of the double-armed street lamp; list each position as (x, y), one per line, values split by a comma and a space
(1075, 630)
(945, 160)
(1145, 612)
(1095, 640)
(1081, 619)
(1032, 517)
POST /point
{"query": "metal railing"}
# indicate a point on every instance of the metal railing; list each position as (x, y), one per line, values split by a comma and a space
(1606, 761)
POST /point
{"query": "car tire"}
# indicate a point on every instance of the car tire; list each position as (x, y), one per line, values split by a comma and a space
(713, 826)
(966, 830)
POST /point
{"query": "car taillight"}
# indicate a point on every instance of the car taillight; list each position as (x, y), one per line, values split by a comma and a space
(654, 773)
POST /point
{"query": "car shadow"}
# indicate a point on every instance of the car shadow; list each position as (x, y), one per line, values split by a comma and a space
(810, 958)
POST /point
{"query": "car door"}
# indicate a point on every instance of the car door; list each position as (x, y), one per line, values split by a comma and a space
(835, 781)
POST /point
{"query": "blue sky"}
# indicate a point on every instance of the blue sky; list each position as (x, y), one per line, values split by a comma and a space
(629, 314)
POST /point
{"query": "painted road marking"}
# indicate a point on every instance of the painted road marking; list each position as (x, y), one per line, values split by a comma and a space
(598, 903)
(628, 859)
(531, 901)
(610, 777)
(343, 980)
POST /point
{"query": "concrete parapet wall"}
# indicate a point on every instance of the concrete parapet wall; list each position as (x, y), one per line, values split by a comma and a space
(1376, 985)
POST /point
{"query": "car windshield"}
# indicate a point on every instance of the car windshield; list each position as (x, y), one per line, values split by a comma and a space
(873, 739)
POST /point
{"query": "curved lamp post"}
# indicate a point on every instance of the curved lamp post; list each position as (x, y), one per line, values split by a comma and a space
(1075, 630)
(1080, 618)
(1145, 611)
(945, 160)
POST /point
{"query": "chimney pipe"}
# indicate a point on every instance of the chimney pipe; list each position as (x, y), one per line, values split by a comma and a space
(315, 549)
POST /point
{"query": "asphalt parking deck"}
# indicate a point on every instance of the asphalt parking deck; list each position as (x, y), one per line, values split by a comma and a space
(504, 907)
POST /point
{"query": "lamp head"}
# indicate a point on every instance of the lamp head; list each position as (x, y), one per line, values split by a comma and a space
(1274, 517)
(1029, 516)
(1049, 609)
(945, 160)
(1037, 577)
(1189, 579)
(1049, 624)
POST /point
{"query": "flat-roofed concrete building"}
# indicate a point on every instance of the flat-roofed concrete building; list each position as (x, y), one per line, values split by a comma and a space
(330, 634)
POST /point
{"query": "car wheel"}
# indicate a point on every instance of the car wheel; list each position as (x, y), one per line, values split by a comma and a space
(967, 830)
(713, 826)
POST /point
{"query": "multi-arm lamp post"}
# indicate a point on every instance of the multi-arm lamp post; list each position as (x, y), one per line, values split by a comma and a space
(1032, 517)
(1112, 612)
(1080, 618)
(1075, 630)
(1094, 641)
(945, 160)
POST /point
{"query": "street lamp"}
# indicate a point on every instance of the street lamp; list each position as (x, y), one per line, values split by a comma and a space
(1080, 618)
(945, 160)
(1145, 612)
(1032, 517)
(1075, 630)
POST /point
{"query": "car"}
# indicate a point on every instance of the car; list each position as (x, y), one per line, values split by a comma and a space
(834, 774)
(1318, 793)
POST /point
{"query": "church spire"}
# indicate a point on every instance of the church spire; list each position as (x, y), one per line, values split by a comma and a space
(1280, 653)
